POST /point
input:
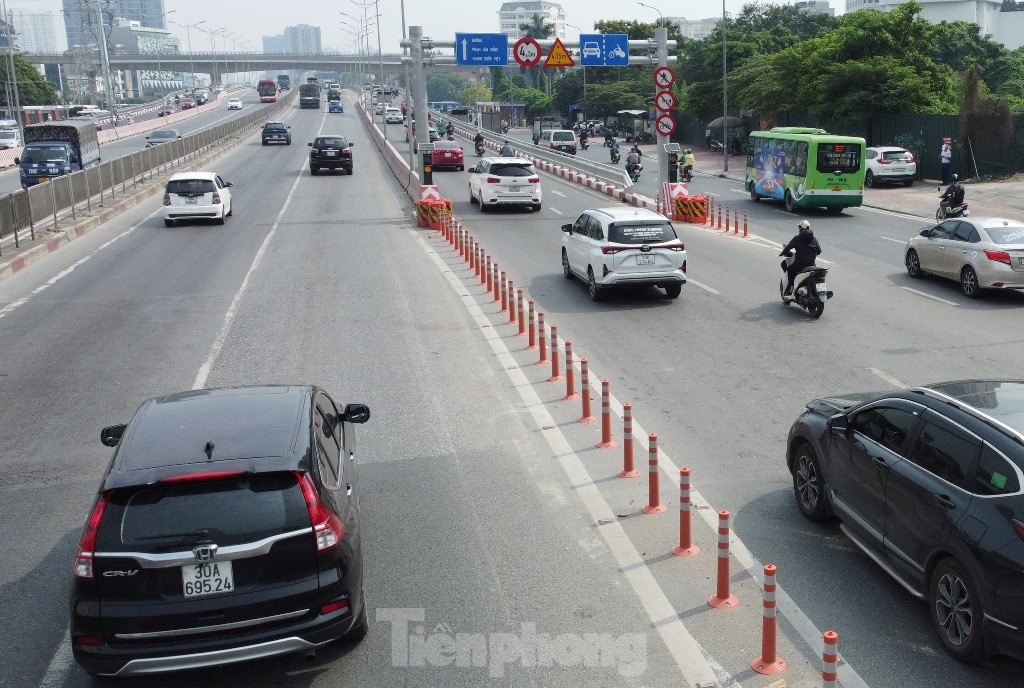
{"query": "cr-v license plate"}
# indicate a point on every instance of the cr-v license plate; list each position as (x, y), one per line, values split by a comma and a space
(207, 579)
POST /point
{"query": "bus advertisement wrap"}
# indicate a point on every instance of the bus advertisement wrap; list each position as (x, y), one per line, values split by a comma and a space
(804, 167)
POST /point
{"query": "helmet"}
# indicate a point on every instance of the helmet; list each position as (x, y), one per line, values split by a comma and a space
(804, 224)
(955, 178)
(688, 151)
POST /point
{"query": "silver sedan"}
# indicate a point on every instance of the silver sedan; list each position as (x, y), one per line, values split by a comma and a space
(980, 253)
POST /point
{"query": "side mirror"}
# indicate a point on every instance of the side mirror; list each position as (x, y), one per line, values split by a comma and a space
(17, 161)
(351, 143)
(228, 184)
(356, 413)
(567, 228)
(838, 424)
(926, 232)
(111, 436)
(310, 143)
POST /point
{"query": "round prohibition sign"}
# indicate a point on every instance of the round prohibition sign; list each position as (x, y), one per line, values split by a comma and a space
(527, 51)
(664, 77)
(665, 125)
(664, 101)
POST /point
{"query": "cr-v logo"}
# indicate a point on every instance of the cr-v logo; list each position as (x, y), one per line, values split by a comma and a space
(114, 574)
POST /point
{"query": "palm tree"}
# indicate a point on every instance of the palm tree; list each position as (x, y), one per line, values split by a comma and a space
(540, 29)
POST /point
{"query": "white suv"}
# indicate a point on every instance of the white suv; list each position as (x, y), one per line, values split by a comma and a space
(889, 165)
(619, 246)
(393, 115)
(512, 181)
(196, 195)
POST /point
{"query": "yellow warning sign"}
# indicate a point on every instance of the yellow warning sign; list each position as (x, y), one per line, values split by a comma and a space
(559, 56)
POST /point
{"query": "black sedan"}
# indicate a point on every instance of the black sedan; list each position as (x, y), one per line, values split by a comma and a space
(928, 483)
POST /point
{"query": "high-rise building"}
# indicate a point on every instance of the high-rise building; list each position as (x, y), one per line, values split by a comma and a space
(273, 45)
(815, 7)
(36, 31)
(82, 16)
(697, 29)
(514, 14)
(1004, 27)
(302, 39)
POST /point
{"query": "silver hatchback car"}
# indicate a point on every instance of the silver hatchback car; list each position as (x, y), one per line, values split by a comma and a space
(980, 253)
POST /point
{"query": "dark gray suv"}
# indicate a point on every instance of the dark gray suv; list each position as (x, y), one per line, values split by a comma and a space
(929, 483)
(226, 529)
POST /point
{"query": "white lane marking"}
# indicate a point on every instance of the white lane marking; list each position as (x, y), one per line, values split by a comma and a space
(229, 317)
(685, 650)
(929, 296)
(556, 211)
(897, 241)
(60, 665)
(894, 213)
(889, 378)
(67, 271)
(558, 193)
(702, 286)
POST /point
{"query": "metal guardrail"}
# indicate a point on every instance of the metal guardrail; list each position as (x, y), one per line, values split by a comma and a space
(607, 173)
(52, 202)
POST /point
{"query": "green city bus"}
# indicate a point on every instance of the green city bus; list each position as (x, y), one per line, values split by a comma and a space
(777, 167)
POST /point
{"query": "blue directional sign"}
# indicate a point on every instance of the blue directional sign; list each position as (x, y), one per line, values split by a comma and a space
(481, 49)
(604, 50)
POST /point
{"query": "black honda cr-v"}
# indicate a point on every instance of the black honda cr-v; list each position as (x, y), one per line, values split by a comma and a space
(226, 529)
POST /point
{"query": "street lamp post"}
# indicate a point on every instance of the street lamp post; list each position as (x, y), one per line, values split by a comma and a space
(188, 39)
(725, 100)
(661, 17)
(359, 28)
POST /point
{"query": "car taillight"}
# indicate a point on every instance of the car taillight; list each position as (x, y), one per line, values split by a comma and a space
(87, 640)
(534, 180)
(494, 180)
(1018, 528)
(314, 151)
(611, 250)
(675, 246)
(327, 527)
(997, 256)
(167, 199)
(346, 150)
(911, 158)
(83, 558)
(216, 198)
(884, 161)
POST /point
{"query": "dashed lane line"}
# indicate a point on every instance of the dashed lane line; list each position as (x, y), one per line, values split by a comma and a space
(929, 296)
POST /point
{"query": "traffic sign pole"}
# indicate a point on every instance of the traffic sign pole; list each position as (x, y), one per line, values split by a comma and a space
(661, 36)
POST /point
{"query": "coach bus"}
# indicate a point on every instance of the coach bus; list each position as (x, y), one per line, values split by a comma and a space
(805, 167)
(267, 88)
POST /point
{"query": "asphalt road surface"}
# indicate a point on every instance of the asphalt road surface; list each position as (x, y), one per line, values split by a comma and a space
(490, 515)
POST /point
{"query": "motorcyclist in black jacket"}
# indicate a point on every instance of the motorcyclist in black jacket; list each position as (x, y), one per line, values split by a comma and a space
(805, 248)
(952, 196)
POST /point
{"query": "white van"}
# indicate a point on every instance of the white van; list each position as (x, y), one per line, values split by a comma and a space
(10, 137)
(562, 140)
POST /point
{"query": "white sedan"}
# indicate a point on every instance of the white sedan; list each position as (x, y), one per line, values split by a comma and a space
(234, 104)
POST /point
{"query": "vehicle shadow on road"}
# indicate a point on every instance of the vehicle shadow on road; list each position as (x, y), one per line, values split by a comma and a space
(949, 290)
(775, 311)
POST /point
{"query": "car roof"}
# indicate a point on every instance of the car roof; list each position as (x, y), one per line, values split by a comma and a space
(1001, 400)
(508, 160)
(167, 132)
(253, 429)
(992, 222)
(446, 144)
(192, 175)
(888, 149)
(625, 213)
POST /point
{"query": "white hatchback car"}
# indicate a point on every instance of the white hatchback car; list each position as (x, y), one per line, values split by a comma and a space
(196, 195)
(889, 165)
(510, 181)
(234, 103)
(620, 246)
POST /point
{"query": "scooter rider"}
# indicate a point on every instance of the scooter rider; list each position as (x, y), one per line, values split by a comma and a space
(805, 248)
(478, 140)
(506, 150)
(613, 150)
(952, 196)
(633, 159)
(688, 163)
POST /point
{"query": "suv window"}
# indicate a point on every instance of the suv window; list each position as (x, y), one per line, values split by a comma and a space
(947, 453)
(191, 186)
(896, 154)
(995, 475)
(330, 142)
(563, 136)
(274, 125)
(178, 515)
(631, 233)
(887, 426)
(507, 170)
(328, 445)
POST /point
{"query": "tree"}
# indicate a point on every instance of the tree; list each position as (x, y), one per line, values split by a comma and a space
(475, 92)
(540, 29)
(33, 89)
(444, 85)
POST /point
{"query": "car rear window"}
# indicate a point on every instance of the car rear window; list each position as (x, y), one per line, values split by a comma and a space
(226, 512)
(195, 186)
(274, 125)
(896, 155)
(1006, 235)
(648, 233)
(512, 170)
(563, 136)
(331, 143)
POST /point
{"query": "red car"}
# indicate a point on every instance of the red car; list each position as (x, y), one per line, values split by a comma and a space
(167, 110)
(188, 103)
(448, 154)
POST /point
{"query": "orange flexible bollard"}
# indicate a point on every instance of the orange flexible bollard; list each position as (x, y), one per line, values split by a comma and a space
(511, 302)
(769, 662)
(555, 374)
(540, 335)
(628, 469)
(726, 219)
(736, 221)
(654, 505)
(606, 417)
(722, 598)
(532, 342)
(522, 313)
(685, 548)
(570, 374)
(585, 392)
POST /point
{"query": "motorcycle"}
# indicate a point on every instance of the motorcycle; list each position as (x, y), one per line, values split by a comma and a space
(634, 172)
(942, 213)
(480, 149)
(609, 141)
(809, 289)
(450, 135)
(615, 156)
(584, 142)
(504, 129)
(686, 173)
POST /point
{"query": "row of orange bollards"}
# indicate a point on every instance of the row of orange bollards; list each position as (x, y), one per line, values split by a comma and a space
(733, 226)
(531, 323)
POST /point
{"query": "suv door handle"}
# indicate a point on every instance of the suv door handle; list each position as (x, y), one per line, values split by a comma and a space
(945, 501)
(348, 489)
(880, 461)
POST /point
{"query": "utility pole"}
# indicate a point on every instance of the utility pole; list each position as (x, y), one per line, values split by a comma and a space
(419, 91)
(12, 74)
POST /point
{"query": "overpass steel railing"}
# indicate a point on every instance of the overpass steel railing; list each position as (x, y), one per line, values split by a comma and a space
(45, 206)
